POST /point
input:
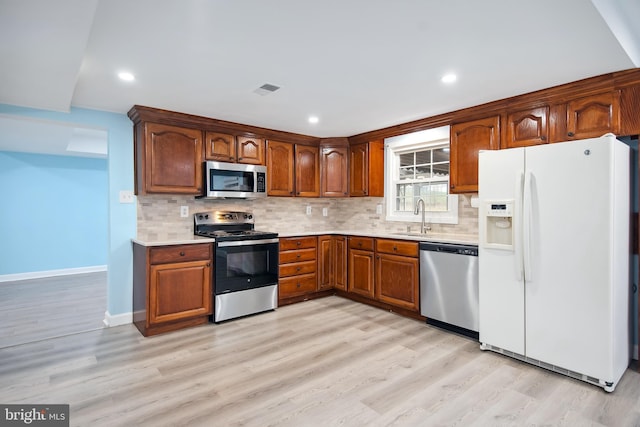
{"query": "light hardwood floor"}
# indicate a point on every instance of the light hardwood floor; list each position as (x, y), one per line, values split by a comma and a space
(324, 362)
(37, 309)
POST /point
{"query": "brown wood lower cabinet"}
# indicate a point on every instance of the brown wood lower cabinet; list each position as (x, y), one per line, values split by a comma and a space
(385, 270)
(298, 264)
(332, 262)
(172, 287)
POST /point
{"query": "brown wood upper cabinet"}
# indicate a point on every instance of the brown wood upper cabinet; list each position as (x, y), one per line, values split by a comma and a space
(307, 167)
(280, 169)
(334, 167)
(467, 139)
(527, 127)
(225, 147)
(366, 169)
(168, 159)
(592, 116)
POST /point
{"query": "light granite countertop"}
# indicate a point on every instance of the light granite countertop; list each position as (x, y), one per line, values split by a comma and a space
(429, 237)
(165, 241)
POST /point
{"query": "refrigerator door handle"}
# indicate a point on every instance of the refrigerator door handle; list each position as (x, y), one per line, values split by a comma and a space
(518, 227)
(527, 213)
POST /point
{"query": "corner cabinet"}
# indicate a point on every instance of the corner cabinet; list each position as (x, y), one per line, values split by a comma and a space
(172, 287)
(168, 159)
(332, 262)
(334, 166)
(466, 140)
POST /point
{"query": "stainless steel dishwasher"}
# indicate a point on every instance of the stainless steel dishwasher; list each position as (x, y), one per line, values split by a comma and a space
(449, 286)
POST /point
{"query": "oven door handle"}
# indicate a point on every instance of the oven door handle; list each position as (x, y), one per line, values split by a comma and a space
(246, 242)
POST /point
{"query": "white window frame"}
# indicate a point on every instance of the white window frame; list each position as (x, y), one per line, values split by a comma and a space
(407, 143)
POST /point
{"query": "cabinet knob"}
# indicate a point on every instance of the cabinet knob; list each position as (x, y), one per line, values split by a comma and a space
(543, 138)
(231, 158)
(570, 134)
(365, 193)
(359, 244)
(298, 256)
(298, 243)
(395, 248)
(208, 264)
(298, 285)
(181, 253)
(239, 158)
(290, 192)
(298, 269)
(345, 193)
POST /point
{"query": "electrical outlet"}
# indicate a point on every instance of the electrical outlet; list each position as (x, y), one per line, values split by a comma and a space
(126, 196)
(184, 211)
(308, 210)
(379, 209)
(325, 211)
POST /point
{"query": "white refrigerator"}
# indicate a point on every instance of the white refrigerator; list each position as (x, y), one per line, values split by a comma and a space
(554, 256)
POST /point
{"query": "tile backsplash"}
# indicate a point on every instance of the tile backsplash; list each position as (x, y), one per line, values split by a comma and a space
(159, 215)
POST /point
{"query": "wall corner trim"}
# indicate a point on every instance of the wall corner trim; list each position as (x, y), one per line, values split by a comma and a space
(111, 320)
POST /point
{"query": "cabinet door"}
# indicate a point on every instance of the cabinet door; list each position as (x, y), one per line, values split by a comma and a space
(220, 147)
(339, 262)
(397, 281)
(325, 263)
(179, 291)
(359, 170)
(527, 127)
(173, 159)
(361, 273)
(279, 169)
(334, 171)
(467, 139)
(593, 116)
(250, 150)
(307, 171)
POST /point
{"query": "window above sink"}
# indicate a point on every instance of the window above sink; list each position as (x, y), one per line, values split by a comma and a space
(417, 167)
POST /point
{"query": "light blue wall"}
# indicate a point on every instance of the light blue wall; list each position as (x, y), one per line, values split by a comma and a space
(54, 213)
(121, 217)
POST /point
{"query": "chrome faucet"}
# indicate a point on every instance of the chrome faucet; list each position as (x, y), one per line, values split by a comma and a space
(423, 226)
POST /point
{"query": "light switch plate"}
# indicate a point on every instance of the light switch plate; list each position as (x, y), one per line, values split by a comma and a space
(126, 196)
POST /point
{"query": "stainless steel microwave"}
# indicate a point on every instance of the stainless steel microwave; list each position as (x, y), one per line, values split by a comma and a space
(234, 180)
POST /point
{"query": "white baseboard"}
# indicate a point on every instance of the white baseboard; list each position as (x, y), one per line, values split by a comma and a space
(111, 320)
(51, 273)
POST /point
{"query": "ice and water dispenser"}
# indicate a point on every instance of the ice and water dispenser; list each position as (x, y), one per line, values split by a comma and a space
(498, 223)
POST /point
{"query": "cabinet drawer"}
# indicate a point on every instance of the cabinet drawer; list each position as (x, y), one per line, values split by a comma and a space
(297, 256)
(290, 243)
(363, 243)
(179, 253)
(397, 247)
(297, 268)
(297, 285)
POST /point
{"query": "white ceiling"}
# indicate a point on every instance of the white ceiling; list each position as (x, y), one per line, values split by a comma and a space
(358, 65)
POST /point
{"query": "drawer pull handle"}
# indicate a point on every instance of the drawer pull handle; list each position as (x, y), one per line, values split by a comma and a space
(181, 253)
(298, 243)
(298, 284)
(395, 248)
(298, 256)
(298, 269)
(360, 244)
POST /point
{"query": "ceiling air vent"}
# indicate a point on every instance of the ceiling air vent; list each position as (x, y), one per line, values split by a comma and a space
(266, 89)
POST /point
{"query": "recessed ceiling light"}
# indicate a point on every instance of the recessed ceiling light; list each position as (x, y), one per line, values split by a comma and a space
(313, 119)
(449, 78)
(126, 76)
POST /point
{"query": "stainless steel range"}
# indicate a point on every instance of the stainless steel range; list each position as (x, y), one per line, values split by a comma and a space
(245, 264)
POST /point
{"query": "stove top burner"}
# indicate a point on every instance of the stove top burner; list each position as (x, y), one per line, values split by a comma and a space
(227, 225)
